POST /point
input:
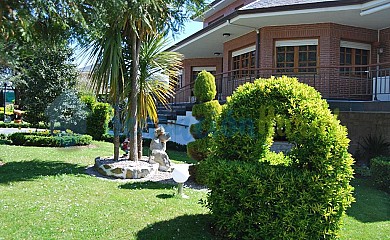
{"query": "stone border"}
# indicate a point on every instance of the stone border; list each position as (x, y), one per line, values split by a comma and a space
(124, 168)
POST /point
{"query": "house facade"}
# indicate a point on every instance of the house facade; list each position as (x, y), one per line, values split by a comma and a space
(334, 46)
(341, 48)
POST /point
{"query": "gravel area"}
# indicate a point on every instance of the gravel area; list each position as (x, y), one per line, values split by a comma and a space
(161, 177)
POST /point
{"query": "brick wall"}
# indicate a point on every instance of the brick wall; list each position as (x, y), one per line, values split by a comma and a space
(226, 11)
(188, 64)
(362, 124)
(385, 43)
(185, 94)
(329, 36)
(328, 80)
(236, 44)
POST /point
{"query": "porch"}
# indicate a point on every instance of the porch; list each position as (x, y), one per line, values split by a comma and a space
(339, 83)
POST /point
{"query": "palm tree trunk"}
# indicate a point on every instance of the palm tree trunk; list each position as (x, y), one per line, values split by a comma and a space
(133, 97)
(139, 139)
(117, 126)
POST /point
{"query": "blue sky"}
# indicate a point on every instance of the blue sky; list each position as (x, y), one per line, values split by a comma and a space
(190, 28)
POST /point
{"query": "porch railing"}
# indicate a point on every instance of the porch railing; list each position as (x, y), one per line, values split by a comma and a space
(358, 82)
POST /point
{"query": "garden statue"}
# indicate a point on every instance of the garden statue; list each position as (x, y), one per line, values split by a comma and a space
(158, 148)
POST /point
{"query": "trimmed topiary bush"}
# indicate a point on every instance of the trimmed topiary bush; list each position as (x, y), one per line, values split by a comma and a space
(257, 194)
(380, 172)
(199, 149)
(205, 89)
(206, 112)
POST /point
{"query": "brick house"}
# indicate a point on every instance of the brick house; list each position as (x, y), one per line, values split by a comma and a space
(341, 48)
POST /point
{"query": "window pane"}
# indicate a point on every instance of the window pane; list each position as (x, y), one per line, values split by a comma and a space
(358, 60)
(302, 48)
(289, 49)
(280, 57)
(289, 57)
(289, 65)
(312, 48)
(312, 56)
(365, 60)
(302, 56)
(348, 59)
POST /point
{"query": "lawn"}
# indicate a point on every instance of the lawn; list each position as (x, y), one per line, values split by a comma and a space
(45, 194)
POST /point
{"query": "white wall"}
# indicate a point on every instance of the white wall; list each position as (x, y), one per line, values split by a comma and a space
(179, 129)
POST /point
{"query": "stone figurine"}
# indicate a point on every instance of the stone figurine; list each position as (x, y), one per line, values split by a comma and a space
(158, 148)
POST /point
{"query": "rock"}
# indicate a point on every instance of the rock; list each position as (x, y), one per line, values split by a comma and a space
(124, 168)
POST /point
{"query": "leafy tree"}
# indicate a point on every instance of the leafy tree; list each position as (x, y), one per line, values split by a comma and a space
(68, 110)
(46, 74)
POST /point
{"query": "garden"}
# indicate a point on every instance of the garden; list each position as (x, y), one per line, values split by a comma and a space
(46, 194)
(239, 188)
(49, 191)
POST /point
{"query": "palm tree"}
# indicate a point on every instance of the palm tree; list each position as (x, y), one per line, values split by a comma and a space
(158, 70)
(137, 20)
(108, 72)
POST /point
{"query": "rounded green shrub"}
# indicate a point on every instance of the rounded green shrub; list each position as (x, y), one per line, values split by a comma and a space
(257, 194)
(199, 149)
(380, 172)
(205, 89)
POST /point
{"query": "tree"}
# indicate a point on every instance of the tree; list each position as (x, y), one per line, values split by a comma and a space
(143, 19)
(158, 70)
(108, 72)
(135, 21)
(46, 74)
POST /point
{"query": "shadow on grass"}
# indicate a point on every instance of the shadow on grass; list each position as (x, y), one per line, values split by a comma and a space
(29, 170)
(372, 205)
(146, 185)
(183, 227)
(165, 196)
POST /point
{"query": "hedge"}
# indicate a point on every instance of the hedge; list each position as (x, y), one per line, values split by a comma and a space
(380, 172)
(257, 194)
(97, 121)
(14, 125)
(42, 139)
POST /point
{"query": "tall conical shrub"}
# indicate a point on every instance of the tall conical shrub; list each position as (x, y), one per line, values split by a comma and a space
(205, 111)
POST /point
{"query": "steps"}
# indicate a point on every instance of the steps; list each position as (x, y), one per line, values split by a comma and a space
(165, 115)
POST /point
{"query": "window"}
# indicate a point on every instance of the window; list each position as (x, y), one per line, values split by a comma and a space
(242, 61)
(352, 54)
(296, 56)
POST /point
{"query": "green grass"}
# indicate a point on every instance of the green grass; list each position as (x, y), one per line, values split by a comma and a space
(45, 194)
(369, 217)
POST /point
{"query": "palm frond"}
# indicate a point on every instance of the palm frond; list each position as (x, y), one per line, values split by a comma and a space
(158, 70)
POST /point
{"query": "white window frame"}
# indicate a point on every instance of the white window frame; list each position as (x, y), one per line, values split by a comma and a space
(356, 45)
(208, 69)
(244, 50)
